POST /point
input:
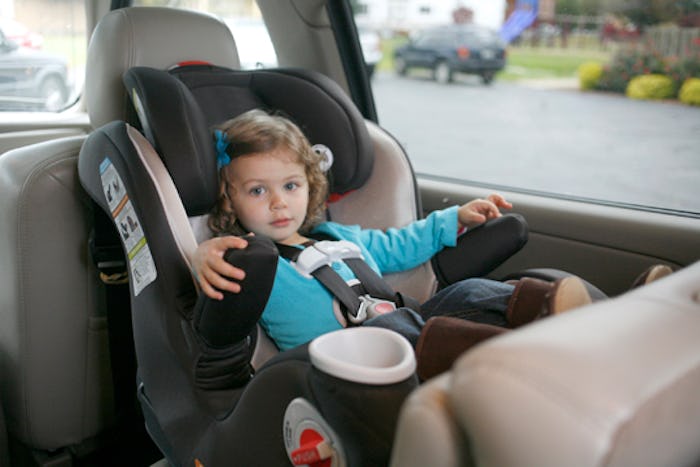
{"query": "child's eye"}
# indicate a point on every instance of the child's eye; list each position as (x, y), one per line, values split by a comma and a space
(257, 191)
(290, 186)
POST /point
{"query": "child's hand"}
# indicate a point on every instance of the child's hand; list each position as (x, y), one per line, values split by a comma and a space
(212, 271)
(480, 210)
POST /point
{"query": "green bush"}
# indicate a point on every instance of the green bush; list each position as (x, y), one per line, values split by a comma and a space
(589, 74)
(651, 87)
(690, 92)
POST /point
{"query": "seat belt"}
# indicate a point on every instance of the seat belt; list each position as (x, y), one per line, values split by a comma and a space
(375, 296)
(108, 256)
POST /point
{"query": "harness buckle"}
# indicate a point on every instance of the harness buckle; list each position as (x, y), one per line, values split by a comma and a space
(371, 307)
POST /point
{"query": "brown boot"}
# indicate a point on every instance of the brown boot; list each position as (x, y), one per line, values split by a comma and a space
(651, 274)
(566, 294)
(527, 300)
(534, 298)
(443, 339)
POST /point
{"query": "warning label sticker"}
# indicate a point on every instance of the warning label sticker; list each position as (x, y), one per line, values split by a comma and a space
(142, 269)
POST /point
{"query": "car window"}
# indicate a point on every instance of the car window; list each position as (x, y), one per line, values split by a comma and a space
(547, 101)
(42, 56)
(255, 49)
(597, 101)
(423, 39)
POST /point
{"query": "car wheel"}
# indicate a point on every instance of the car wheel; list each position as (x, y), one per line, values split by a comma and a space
(53, 93)
(400, 66)
(442, 72)
(487, 77)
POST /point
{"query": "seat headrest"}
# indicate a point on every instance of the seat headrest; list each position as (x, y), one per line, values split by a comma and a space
(178, 110)
(148, 36)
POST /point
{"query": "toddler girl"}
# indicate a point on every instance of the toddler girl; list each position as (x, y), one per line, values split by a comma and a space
(272, 184)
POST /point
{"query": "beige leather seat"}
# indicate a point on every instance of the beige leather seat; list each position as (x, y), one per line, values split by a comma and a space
(613, 384)
(56, 383)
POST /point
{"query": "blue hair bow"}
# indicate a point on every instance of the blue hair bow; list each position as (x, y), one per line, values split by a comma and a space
(222, 157)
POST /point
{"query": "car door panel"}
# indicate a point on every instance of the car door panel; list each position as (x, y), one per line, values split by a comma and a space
(607, 245)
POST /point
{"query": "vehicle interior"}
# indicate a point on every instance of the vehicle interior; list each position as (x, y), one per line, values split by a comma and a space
(611, 384)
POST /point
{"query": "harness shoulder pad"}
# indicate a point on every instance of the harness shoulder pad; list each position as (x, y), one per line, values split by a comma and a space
(325, 253)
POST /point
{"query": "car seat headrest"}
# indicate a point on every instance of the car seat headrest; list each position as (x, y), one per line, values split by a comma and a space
(178, 110)
(148, 36)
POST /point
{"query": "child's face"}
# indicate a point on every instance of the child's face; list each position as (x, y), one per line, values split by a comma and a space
(270, 194)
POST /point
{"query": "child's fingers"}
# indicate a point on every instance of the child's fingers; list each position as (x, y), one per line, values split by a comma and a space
(499, 201)
(217, 281)
(223, 268)
(224, 243)
(489, 209)
(210, 291)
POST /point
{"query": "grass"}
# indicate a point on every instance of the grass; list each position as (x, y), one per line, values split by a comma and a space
(523, 62)
(539, 63)
(388, 46)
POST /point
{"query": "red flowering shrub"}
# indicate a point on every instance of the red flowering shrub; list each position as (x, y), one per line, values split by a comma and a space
(683, 69)
(629, 64)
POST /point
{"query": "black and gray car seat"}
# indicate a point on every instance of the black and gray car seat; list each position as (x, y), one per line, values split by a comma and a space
(153, 171)
(196, 384)
(193, 410)
(69, 318)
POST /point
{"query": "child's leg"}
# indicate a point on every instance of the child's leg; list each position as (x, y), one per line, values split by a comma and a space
(474, 299)
(405, 321)
(508, 305)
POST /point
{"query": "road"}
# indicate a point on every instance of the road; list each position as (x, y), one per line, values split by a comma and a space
(547, 137)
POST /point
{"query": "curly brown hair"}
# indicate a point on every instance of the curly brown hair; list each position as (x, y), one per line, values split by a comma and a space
(256, 132)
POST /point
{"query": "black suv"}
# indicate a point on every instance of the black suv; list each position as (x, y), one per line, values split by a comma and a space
(450, 49)
(30, 79)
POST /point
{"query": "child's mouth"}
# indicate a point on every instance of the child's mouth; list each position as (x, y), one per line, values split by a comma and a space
(281, 222)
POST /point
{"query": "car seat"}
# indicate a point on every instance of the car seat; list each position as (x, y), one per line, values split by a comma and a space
(184, 376)
(200, 403)
(187, 421)
(615, 383)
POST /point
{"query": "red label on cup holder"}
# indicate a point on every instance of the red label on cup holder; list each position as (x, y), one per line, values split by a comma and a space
(313, 450)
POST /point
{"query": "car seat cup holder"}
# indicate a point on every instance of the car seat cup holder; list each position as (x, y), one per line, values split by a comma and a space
(365, 355)
(359, 378)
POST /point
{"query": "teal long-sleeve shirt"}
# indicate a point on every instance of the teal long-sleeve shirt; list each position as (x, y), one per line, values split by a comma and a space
(300, 308)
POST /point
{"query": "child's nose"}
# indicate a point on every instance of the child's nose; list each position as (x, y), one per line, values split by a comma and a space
(277, 201)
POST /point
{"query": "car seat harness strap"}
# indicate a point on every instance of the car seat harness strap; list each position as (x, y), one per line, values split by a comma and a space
(373, 298)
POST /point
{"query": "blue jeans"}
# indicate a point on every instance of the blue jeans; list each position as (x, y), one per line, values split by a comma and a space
(474, 299)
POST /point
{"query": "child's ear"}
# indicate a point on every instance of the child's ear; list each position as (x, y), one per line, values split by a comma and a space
(225, 201)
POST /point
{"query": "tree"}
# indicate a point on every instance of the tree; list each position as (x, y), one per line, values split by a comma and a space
(579, 7)
(648, 12)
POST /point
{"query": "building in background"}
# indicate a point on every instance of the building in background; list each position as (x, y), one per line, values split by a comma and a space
(411, 15)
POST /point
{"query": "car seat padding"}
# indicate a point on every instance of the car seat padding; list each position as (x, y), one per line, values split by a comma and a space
(179, 109)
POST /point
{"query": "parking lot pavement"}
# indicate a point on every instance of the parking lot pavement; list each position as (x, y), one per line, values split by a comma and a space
(563, 84)
(547, 136)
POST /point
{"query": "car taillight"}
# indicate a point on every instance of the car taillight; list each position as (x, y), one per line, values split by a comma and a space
(463, 52)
